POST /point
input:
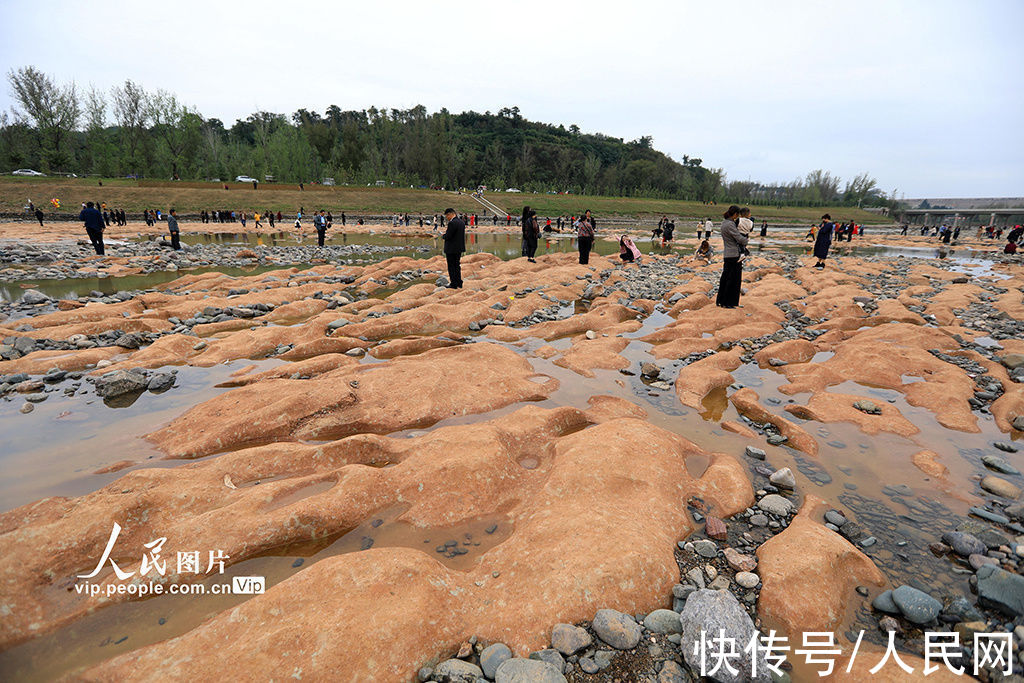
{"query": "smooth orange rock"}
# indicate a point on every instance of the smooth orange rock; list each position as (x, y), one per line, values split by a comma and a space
(818, 565)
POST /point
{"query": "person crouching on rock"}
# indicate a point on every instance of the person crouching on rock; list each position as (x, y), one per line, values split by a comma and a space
(628, 251)
(454, 244)
(172, 226)
(704, 252)
(732, 272)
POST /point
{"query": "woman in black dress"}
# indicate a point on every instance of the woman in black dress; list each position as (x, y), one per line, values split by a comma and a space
(824, 240)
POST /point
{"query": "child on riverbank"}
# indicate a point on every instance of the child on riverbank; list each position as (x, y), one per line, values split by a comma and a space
(745, 225)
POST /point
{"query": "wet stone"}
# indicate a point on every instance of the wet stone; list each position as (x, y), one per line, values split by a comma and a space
(999, 464)
(617, 629)
(917, 606)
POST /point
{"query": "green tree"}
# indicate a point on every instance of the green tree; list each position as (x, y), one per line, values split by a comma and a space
(53, 109)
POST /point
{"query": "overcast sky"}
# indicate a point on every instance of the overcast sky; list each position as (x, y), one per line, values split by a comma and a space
(927, 96)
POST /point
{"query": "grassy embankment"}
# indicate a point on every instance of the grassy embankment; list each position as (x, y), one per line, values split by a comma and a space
(189, 197)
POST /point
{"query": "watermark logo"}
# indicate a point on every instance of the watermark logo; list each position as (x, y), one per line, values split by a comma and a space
(152, 563)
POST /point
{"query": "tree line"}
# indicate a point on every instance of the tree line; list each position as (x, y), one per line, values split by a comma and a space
(129, 131)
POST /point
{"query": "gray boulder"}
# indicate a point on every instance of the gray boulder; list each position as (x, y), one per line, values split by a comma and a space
(121, 382)
(917, 606)
(569, 639)
(33, 297)
(1001, 589)
(457, 671)
(617, 629)
(492, 657)
(519, 670)
(710, 612)
(663, 621)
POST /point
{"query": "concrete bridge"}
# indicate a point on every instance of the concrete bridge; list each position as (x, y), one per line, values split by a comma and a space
(962, 217)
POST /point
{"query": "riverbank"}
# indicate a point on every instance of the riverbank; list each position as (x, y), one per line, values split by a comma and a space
(436, 471)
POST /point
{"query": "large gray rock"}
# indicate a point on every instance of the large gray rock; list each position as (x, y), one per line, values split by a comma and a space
(518, 670)
(963, 544)
(710, 612)
(569, 639)
(33, 297)
(917, 606)
(617, 629)
(775, 504)
(457, 671)
(121, 382)
(663, 621)
(1001, 589)
(492, 657)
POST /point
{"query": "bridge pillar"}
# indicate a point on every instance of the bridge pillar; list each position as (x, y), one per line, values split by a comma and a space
(992, 219)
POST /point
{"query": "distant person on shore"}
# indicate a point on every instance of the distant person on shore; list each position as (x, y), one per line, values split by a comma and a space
(585, 231)
(256, 221)
(903, 230)
(708, 228)
(628, 251)
(39, 216)
(823, 241)
(172, 226)
(667, 232)
(454, 244)
(343, 219)
(93, 220)
(764, 228)
(531, 233)
(270, 218)
(1010, 248)
(732, 272)
(241, 217)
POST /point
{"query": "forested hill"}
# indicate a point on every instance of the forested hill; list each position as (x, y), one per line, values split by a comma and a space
(129, 131)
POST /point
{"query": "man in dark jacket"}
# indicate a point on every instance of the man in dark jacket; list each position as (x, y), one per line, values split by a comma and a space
(454, 244)
(93, 220)
(172, 226)
(39, 216)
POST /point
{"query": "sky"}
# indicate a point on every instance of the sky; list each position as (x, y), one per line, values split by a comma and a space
(927, 96)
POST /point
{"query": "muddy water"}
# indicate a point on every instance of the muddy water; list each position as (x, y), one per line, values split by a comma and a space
(127, 626)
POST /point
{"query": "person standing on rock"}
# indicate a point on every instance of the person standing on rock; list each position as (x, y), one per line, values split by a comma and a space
(585, 230)
(39, 216)
(320, 223)
(531, 233)
(732, 272)
(454, 244)
(823, 241)
(93, 220)
(764, 228)
(172, 225)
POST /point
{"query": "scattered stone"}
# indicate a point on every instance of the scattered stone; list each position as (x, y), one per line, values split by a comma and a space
(457, 671)
(883, 602)
(783, 478)
(715, 528)
(739, 561)
(963, 544)
(663, 621)
(121, 382)
(747, 579)
(756, 453)
(569, 639)
(617, 629)
(1001, 589)
(917, 606)
(999, 487)
(519, 670)
(775, 504)
(868, 407)
(998, 464)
